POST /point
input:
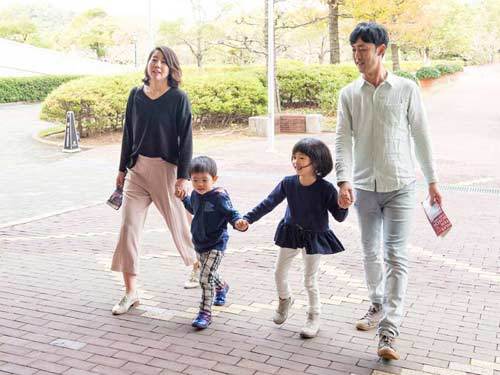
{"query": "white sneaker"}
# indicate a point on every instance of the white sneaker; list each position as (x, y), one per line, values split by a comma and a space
(311, 328)
(193, 281)
(125, 304)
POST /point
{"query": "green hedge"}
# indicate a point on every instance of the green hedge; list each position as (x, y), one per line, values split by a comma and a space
(225, 98)
(449, 68)
(29, 89)
(408, 75)
(428, 72)
(99, 102)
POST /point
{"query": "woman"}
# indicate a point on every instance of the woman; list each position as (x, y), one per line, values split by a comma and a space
(156, 151)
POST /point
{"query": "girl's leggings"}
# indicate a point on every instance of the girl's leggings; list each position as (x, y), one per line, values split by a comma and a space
(311, 268)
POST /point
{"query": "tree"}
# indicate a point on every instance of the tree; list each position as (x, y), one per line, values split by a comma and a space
(396, 15)
(18, 30)
(93, 29)
(200, 37)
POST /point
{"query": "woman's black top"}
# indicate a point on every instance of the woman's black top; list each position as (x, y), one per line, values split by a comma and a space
(158, 128)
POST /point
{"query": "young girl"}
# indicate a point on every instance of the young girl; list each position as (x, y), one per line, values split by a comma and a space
(305, 225)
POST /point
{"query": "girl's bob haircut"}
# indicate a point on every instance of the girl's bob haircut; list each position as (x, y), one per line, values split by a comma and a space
(318, 152)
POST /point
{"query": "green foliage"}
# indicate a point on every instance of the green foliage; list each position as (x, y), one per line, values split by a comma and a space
(18, 30)
(449, 68)
(99, 102)
(314, 85)
(225, 98)
(29, 89)
(408, 75)
(427, 72)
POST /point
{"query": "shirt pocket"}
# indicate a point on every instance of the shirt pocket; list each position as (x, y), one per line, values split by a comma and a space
(392, 113)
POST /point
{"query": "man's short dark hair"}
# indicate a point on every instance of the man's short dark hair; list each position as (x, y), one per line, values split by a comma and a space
(203, 164)
(370, 32)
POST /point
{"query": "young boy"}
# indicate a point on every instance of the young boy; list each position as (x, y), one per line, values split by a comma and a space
(212, 210)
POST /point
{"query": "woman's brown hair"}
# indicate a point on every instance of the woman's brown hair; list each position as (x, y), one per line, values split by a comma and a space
(174, 77)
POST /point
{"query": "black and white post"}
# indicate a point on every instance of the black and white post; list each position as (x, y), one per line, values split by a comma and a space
(70, 134)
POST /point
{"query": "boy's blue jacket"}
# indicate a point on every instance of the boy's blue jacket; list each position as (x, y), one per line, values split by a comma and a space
(212, 211)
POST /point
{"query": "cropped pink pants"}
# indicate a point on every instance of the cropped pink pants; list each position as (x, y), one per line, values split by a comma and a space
(150, 180)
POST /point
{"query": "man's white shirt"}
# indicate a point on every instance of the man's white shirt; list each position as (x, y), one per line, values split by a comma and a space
(377, 130)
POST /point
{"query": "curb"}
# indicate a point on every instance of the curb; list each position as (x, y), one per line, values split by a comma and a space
(37, 138)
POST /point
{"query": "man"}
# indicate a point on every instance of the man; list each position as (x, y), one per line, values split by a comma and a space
(379, 115)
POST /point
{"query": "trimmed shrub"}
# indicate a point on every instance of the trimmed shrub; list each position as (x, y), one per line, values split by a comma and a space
(427, 73)
(449, 68)
(29, 89)
(99, 102)
(408, 75)
(222, 99)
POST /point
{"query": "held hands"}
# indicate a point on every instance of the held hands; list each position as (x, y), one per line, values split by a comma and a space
(180, 188)
(434, 194)
(346, 196)
(120, 180)
(241, 225)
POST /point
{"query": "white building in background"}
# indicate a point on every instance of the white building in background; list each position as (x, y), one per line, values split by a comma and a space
(18, 59)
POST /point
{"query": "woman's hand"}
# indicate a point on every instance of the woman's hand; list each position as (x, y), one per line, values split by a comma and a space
(180, 188)
(120, 180)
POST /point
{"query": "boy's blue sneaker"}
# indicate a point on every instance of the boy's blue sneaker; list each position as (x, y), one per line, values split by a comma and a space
(220, 295)
(203, 320)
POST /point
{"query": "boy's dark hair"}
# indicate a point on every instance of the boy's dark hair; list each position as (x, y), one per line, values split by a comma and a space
(203, 164)
(370, 32)
(318, 152)
(174, 77)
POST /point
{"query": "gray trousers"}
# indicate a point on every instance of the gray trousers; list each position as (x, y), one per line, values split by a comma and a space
(385, 219)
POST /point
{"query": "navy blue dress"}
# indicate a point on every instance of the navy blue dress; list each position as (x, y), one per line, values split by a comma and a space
(212, 211)
(305, 224)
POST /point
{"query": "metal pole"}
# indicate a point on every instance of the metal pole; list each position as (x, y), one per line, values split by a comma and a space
(270, 75)
(150, 27)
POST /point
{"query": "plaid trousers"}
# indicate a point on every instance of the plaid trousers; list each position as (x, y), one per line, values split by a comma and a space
(209, 277)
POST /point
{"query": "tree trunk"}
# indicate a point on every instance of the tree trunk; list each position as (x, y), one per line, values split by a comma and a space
(333, 31)
(395, 57)
(199, 53)
(427, 60)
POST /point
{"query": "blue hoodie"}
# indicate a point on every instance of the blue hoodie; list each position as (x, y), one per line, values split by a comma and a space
(212, 211)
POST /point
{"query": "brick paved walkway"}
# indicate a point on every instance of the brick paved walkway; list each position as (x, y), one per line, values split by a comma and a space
(57, 290)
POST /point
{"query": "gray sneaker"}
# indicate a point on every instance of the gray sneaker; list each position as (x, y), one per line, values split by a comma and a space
(371, 318)
(386, 347)
(281, 312)
(311, 328)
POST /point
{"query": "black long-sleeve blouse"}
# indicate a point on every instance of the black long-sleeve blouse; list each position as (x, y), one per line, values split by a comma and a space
(158, 128)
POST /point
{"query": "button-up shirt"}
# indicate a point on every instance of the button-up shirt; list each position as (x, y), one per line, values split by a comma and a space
(375, 129)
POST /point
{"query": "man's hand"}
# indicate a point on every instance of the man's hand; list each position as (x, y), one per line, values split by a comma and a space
(180, 188)
(120, 180)
(346, 196)
(434, 194)
(241, 225)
